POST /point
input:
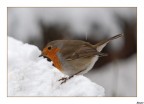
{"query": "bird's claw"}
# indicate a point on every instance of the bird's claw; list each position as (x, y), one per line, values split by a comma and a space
(63, 79)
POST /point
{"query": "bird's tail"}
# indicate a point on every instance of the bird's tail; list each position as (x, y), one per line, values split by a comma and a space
(100, 45)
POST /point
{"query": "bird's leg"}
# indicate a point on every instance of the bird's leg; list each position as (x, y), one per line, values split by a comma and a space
(64, 79)
(70, 77)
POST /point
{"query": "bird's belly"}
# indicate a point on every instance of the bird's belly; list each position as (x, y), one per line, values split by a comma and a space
(91, 64)
(79, 65)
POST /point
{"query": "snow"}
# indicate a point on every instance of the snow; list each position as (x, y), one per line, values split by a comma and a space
(30, 75)
(119, 78)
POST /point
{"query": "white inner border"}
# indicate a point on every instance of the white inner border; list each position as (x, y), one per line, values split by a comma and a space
(71, 3)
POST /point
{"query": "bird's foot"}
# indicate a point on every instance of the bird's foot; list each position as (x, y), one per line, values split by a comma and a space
(64, 79)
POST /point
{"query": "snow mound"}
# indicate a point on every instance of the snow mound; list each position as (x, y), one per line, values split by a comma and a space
(30, 75)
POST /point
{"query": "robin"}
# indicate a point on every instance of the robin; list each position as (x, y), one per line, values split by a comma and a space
(74, 57)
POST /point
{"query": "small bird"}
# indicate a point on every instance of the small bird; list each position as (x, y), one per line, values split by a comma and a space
(74, 57)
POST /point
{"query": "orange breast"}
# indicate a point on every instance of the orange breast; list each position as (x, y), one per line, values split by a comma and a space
(52, 54)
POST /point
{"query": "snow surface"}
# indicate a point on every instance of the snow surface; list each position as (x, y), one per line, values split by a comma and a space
(30, 75)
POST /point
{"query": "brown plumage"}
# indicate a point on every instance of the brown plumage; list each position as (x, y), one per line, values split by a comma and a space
(74, 57)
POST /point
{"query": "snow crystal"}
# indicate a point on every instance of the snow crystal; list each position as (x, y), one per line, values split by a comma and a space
(31, 75)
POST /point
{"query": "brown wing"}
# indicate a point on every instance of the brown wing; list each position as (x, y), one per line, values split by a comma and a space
(82, 52)
(74, 49)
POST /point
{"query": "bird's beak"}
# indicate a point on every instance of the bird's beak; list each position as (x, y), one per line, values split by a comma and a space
(45, 57)
(40, 55)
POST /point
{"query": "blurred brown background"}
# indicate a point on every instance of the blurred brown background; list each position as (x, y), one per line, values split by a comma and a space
(116, 72)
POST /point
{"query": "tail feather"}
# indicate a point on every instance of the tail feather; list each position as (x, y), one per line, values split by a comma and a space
(99, 46)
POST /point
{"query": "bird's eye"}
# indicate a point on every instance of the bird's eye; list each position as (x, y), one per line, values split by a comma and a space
(49, 47)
